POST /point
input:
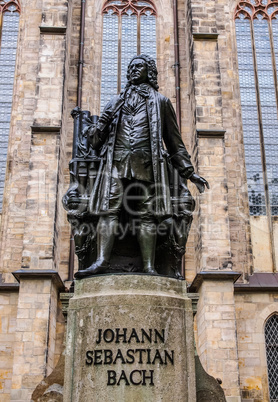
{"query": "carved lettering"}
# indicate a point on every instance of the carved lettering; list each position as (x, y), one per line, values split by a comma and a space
(99, 336)
(145, 335)
(119, 355)
(89, 357)
(140, 354)
(149, 356)
(108, 335)
(136, 377)
(134, 335)
(121, 335)
(108, 356)
(132, 379)
(123, 377)
(160, 336)
(157, 357)
(147, 377)
(130, 354)
(98, 360)
(170, 358)
(111, 377)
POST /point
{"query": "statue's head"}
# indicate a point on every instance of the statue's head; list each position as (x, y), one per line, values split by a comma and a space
(146, 71)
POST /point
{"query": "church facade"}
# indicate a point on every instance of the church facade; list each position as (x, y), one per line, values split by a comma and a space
(218, 63)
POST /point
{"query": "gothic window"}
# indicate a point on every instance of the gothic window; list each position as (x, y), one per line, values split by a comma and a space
(129, 28)
(271, 344)
(257, 44)
(9, 23)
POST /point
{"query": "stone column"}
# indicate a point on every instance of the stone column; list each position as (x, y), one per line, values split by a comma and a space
(34, 344)
(215, 245)
(130, 337)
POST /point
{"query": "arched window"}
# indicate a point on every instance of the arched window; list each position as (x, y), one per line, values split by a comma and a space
(257, 43)
(9, 22)
(129, 28)
(271, 344)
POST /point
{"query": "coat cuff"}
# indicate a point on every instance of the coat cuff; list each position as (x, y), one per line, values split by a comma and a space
(181, 162)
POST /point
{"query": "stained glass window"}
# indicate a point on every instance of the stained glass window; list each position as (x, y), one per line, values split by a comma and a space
(9, 22)
(129, 28)
(109, 56)
(271, 343)
(257, 44)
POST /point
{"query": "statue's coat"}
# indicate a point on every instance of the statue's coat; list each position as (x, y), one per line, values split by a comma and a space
(163, 128)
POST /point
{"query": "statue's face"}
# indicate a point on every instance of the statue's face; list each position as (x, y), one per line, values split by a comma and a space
(138, 71)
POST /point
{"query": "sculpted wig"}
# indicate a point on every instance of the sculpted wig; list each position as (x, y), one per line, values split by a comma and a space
(152, 70)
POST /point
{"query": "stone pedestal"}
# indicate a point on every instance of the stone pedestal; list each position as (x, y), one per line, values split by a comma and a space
(130, 338)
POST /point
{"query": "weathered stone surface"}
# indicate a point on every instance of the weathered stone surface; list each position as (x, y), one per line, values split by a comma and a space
(121, 304)
(217, 342)
(207, 388)
(51, 388)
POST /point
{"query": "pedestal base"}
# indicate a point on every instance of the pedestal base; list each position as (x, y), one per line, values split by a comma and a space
(130, 338)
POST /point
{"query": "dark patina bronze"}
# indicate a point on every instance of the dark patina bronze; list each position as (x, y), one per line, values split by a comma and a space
(128, 211)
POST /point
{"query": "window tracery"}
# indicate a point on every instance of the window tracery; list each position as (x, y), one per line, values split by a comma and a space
(252, 9)
(257, 44)
(271, 344)
(9, 24)
(129, 28)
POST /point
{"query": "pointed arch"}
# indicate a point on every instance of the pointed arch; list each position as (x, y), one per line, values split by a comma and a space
(10, 5)
(252, 7)
(129, 28)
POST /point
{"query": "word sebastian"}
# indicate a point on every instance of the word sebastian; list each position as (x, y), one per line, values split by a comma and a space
(146, 356)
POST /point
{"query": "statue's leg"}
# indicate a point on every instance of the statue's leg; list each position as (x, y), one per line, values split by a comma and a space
(106, 232)
(147, 240)
(107, 229)
(147, 230)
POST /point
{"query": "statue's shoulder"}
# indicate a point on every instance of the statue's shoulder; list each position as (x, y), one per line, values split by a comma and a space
(163, 100)
(160, 97)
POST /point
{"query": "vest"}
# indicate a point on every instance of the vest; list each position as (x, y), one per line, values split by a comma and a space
(132, 152)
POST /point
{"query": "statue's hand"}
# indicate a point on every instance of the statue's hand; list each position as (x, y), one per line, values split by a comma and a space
(105, 119)
(199, 182)
(75, 112)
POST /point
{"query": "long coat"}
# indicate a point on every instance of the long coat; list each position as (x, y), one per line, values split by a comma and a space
(163, 128)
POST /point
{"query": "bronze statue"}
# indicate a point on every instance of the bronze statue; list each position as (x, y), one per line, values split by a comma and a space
(135, 181)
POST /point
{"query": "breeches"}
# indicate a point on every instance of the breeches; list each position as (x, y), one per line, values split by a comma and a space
(136, 197)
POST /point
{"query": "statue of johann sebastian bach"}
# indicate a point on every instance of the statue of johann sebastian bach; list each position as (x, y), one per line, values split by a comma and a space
(130, 137)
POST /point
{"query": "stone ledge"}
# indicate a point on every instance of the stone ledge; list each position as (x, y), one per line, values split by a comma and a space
(214, 276)
(134, 284)
(259, 282)
(211, 133)
(9, 287)
(205, 36)
(45, 129)
(37, 274)
(51, 30)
